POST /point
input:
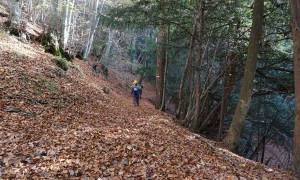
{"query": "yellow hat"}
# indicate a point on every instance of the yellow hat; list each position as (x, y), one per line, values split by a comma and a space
(134, 82)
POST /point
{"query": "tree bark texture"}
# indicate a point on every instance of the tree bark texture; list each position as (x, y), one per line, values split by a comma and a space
(65, 34)
(163, 103)
(108, 47)
(93, 27)
(228, 80)
(52, 27)
(186, 69)
(225, 98)
(15, 13)
(295, 13)
(232, 138)
(196, 120)
(160, 63)
(67, 20)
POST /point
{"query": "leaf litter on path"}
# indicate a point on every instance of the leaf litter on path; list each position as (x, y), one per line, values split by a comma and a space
(61, 125)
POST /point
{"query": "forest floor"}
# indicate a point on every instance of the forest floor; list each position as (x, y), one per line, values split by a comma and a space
(66, 125)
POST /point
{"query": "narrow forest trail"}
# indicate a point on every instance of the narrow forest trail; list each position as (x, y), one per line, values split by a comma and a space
(62, 125)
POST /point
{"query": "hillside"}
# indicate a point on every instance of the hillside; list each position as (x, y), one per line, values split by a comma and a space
(62, 125)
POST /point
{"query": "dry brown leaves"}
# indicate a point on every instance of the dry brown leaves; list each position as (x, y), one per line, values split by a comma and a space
(61, 125)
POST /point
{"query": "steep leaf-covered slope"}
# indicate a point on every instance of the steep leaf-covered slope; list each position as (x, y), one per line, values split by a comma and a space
(62, 125)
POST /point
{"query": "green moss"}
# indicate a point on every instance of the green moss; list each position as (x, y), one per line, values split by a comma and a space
(51, 86)
(66, 55)
(55, 51)
(24, 78)
(50, 42)
(16, 54)
(63, 64)
(36, 90)
(48, 84)
(106, 90)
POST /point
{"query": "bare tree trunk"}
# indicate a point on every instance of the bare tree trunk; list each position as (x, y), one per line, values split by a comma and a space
(210, 115)
(73, 33)
(108, 47)
(53, 21)
(70, 20)
(29, 7)
(263, 145)
(52, 30)
(295, 13)
(68, 14)
(15, 14)
(84, 6)
(226, 91)
(191, 107)
(186, 69)
(228, 82)
(232, 138)
(162, 107)
(64, 38)
(196, 120)
(133, 54)
(93, 27)
(160, 63)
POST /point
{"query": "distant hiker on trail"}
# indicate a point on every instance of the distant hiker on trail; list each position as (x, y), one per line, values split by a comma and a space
(136, 94)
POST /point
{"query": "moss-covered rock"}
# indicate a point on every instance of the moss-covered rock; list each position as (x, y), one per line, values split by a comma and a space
(50, 42)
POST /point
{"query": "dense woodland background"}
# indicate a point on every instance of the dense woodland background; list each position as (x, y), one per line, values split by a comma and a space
(195, 52)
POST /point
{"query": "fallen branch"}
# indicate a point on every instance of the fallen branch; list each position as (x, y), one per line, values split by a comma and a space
(216, 149)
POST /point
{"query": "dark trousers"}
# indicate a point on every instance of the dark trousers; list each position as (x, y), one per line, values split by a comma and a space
(136, 100)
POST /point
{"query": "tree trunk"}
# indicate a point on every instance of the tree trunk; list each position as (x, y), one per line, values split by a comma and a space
(226, 91)
(108, 48)
(263, 148)
(160, 63)
(50, 41)
(68, 13)
(64, 38)
(186, 69)
(52, 27)
(196, 120)
(15, 14)
(133, 54)
(29, 7)
(191, 108)
(73, 34)
(295, 11)
(163, 104)
(228, 79)
(93, 27)
(70, 20)
(232, 138)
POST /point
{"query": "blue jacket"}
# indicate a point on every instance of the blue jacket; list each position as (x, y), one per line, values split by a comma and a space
(135, 90)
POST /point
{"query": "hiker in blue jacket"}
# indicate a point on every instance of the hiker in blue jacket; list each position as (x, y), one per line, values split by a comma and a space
(136, 94)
